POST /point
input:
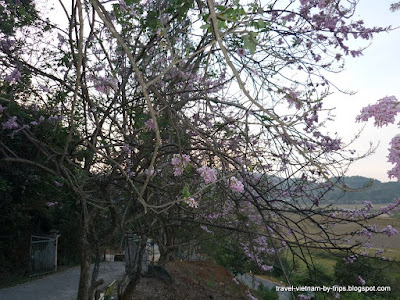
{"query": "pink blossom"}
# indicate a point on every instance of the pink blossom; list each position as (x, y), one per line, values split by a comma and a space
(292, 97)
(304, 297)
(126, 149)
(192, 202)
(148, 172)
(394, 157)
(390, 231)
(44, 88)
(14, 76)
(208, 174)
(149, 125)
(361, 280)
(11, 123)
(105, 84)
(266, 268)
(179, 162)
(384, 112)
(235, 185)
(241, 52)
(58, 184)
(205, 228)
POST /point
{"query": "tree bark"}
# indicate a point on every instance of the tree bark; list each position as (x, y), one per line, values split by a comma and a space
(83, 291)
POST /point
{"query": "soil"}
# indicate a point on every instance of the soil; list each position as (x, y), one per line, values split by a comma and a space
(192, 280)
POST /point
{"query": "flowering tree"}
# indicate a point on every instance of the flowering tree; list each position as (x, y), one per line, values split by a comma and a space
(177, 112)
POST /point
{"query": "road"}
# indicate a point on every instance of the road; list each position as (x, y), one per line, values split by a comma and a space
(60, 286)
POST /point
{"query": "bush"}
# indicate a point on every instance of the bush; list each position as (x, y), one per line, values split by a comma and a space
(266, 294)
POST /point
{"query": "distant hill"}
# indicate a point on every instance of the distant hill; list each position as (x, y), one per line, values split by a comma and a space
(373, 190)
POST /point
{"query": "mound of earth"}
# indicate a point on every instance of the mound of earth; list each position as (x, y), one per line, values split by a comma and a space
(192, 280)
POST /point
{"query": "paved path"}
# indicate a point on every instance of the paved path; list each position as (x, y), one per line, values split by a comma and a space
(254, 281)
(60, 286)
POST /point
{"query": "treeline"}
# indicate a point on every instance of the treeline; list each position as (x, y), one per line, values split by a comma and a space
(365, 189)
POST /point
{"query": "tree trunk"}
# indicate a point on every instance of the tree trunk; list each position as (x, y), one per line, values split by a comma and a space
(83, 291)
(95, 274)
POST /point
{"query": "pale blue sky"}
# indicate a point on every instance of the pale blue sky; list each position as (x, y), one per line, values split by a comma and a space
(373, 76)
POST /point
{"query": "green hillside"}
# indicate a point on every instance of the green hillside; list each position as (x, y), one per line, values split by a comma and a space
(367, 189)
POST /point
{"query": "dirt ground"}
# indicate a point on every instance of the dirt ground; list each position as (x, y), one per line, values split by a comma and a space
(194, 280)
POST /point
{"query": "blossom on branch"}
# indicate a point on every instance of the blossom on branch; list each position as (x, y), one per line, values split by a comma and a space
(192, 202)
(390, 231)
(361, 280)
(384, 112)
(208, 174)
(149, 124)
(15, 76)
(235, 185)
(179, 162)
(11, 123)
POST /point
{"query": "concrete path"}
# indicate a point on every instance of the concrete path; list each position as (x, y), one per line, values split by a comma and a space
(60, 286)
(254, 281)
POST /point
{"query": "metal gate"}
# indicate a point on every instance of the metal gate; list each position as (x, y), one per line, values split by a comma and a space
(43, 254)
(132, 251)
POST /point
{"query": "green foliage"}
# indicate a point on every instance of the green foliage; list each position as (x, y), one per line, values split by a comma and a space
(362, 296)
(266, 294)
(316, 275)
(16, 14)
(227, 253)
(371, 271)
(27, 192)
(373, 190)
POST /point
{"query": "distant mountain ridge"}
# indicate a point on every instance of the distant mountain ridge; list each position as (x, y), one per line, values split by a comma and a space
(373, 190)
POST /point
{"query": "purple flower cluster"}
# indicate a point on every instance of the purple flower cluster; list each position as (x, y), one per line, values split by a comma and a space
(292, 97)
(15, 76)
(6, 44)
(361, 280)
(105, 84)
(11, 124)
(208, 174)
(235, 185)
(180, 162)
(126, 149)
(149, 124)
(58, 184)
(241, 52)
(390, 231)
(350, 259)
(384, 111)
(205, 228)
(304, 297)
(394, 157)
(192, 202)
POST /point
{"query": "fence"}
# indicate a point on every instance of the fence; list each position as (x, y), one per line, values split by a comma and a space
(151, 252)
(43, 254)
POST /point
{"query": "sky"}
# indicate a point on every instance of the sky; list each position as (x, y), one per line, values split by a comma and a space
(373, 76)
